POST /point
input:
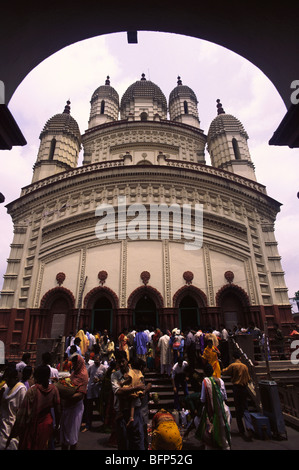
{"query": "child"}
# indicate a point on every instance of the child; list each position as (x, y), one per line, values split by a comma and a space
(132, 379)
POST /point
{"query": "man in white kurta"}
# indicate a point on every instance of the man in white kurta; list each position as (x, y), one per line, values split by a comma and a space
(13, 395)
(165, 354)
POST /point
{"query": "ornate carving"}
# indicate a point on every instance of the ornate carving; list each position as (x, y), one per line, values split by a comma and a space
(229, 276)
(60, 277)
(188, 276)
(100, 291)
(145, 290)
(235, 289)
(195, 292)
(57, 291)
(145, 277)
(102, 276)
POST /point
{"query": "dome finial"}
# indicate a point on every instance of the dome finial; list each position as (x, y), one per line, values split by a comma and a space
(67, 108)
(220, 110)
(107, 82)
(179, 81)
(143, 76)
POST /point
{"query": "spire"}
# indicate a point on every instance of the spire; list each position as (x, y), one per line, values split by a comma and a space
(107, 82)
(179, 81)
(220, 110)
(67, 108)
(143, 76)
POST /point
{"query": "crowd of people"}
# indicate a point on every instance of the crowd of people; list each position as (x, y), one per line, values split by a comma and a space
(53, 402)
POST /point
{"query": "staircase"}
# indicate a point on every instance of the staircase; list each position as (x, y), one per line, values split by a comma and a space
(163, 387)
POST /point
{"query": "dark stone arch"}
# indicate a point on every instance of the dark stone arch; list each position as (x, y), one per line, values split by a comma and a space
(192, 291)
(138, 293)
(102, 291)
(53, 294)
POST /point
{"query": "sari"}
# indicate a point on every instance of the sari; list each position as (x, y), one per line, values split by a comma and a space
(166, 434)
(214, 426)
(123, 344)
(34, 419)
(211, 356)
(71, 417)
(84, 341)
(11, 401)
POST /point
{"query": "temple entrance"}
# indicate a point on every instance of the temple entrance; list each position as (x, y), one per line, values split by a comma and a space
(188, 313)
(145, 313)
(232, 309)
(102, 314)
(59, 309)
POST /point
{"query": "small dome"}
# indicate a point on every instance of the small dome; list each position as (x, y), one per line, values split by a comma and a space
(182, 91)
(144, 89)
(61, 123)
(105, 91)
(225, 123)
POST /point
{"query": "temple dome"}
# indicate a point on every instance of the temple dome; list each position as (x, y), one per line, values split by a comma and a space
(144, 89)
(62, 123)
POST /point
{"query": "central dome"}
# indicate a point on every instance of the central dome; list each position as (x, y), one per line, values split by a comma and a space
(147, 91)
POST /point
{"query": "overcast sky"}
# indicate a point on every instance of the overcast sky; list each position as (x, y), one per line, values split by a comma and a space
(210, 70)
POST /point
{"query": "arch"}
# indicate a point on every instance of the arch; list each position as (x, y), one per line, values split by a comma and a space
(76, 24)
(186, 110)
(192, 291)
(53, 294)
(101, 291)
(102, 106)
(52, 148)
(141, 291)
(234, 289)
(236, 149)
(143, 116)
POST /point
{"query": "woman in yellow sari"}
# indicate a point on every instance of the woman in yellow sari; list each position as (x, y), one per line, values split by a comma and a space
(166, 434)
(211, 355)
(84, 341)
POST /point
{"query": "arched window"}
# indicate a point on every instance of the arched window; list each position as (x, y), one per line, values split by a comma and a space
(185, 107)
(102, 106)
(188, 313)
(52, 148)
(143, 116)
(236, 149)
(102, 314)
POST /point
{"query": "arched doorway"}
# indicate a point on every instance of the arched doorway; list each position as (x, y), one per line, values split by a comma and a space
(57, 304)
(232, 310)
(59, 309)
(145, 312)
(188, 313)
(233, 302)
(102, 315)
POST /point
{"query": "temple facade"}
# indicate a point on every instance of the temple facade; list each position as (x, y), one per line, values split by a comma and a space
(144, 231)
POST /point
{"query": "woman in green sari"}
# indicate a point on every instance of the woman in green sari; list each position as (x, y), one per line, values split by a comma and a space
(214, 426)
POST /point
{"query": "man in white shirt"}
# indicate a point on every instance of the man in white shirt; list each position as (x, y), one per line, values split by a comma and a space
(178, 377)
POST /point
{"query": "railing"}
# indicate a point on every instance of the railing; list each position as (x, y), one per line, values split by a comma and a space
(289, 399)
(253, 387)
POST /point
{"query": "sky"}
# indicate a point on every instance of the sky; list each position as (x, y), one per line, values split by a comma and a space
(212, 72)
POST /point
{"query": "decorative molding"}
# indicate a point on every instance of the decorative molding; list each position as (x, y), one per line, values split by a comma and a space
(102, 276)
(145, 277)
(60, 278)
(229, 276)
(166, 272)
(188, 276)
(208, 273)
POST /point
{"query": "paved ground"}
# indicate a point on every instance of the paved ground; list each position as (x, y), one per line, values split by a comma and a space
(92, 440)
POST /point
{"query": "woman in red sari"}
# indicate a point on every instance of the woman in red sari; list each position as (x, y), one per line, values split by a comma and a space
(34, 421)
(123, 343)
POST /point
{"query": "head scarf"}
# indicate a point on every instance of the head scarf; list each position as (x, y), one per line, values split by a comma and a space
(79, 376)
